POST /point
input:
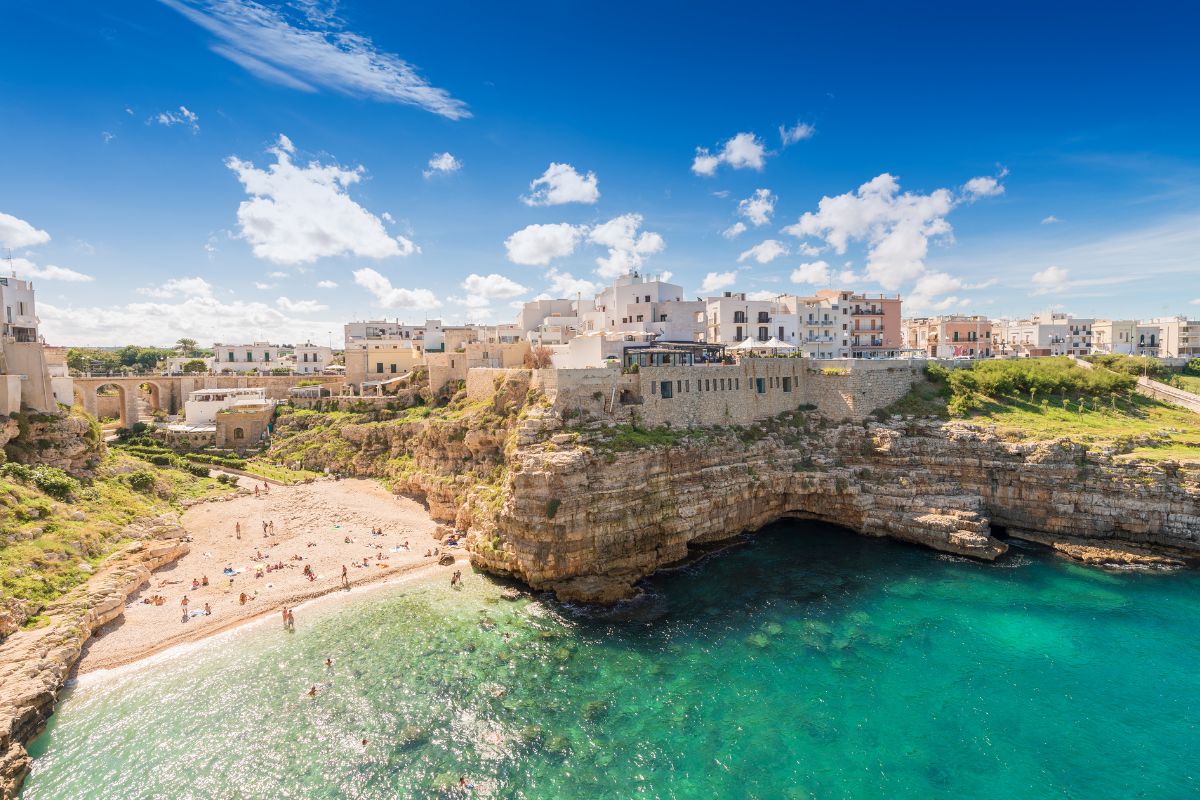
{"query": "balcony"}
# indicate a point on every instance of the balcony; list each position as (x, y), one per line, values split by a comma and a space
(866, 312)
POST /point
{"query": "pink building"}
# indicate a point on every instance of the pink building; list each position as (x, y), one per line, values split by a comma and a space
(871, 321)
(951, 336)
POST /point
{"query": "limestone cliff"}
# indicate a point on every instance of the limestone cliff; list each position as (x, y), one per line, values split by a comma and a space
(587, 517)
(35, 662)
(69, 441)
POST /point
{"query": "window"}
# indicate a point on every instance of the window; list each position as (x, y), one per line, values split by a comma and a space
(763, 333)
(249, 355)
(781, 333)
(739, 316)
(230, 356)
(760, 385)
(393, 367)
(653, 387)
(763, 316)
(666, 390)
(639, 317)
(647, 298)
(722, 384)
(238, 433)
(787, 384)
(738, 333)
(379, 367)
(267, 356)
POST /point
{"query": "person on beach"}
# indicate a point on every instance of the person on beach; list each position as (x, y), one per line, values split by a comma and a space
(456, 578)
(238, 528)
(329, 663)
(312, 692)
(242, 599)
(285, 618)
(256, 490)
(207, 610)
(291, 620)
(264, 522)
(345, 577)
(183, 604)
(195, 584)
(204, 580)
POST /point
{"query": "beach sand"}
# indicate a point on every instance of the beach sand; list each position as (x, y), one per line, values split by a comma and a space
(321, 514)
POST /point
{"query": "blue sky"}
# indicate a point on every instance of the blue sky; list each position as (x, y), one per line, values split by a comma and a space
(992, 160)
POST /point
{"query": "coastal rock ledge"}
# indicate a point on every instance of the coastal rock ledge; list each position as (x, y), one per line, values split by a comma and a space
(586, 519)
(36, 662)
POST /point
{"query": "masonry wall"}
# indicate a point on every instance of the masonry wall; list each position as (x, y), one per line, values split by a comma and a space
(853, 389)
(740, 394)
(28, 359)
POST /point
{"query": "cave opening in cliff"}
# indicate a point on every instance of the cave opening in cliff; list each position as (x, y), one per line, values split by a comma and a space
(1000, 532)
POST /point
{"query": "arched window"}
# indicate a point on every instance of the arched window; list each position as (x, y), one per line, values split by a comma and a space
(238, 433)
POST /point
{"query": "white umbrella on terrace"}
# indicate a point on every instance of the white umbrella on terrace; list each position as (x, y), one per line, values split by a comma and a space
(749, 344)
(775, 344)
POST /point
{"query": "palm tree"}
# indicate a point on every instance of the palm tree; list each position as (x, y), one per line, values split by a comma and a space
(186, 346)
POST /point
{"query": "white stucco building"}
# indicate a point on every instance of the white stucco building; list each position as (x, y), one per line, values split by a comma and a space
(260, 356)
(311, 359)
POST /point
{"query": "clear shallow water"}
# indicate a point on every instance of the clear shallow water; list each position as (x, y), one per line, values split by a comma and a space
(810, 663)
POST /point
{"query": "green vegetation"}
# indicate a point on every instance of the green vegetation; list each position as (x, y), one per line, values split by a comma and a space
(628, 437)
(260, 466)
(57, 528)
(1048, 398)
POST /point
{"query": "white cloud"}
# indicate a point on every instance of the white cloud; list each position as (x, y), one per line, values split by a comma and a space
(715, 281)
(300, 306)
(816, 273)
(759, 207)
(539, 244)
(564, 284)
(180, 117)
(28, 269)
(745, 150)
(1196, 302)
(797, 133)
(1051, 280)
(277, 274)
(627, 248)
(734, 230)
(107, 136)
(179, 287)
(387, 296)
(560, 184)
(931, 286)
(263, 286)
(762, 294)
(440, 164)
(162, 322)
(896, 227)
(16, 232)
(765, 252)
(326, 284)
(1050, 220)
(984, 186)
(297, 214)
(806, 249)
(493, 286)
(307, 50)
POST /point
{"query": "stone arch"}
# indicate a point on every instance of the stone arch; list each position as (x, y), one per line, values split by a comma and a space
(103, 408)
(239, 433)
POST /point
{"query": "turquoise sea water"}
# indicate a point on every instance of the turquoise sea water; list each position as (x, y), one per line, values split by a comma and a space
(808, 663)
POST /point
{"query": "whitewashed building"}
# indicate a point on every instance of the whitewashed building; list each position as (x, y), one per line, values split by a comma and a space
(311, 359)
(259, 356)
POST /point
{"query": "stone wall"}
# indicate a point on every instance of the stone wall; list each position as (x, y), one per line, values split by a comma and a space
(709, 395)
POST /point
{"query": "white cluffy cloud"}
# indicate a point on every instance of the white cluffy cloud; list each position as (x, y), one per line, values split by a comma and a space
(298, 214)
(560, 184)
(765, 252)
(183, 307)
(28, 269)
(816, 272)
(564, 284)
(759, 207)
(493, 287)
(388, 296)
(734, 230)
(441, 164)
(300, 306)
(745, 150)
(716, 281)
(16, 232)
(304, 47)
(1050, 220)
(983, 186)
(627, 247)
(537, 245)
(1051, 280)
(627, 244)
(327, 284)
(895, 227)
(181, 117)
(797, 133)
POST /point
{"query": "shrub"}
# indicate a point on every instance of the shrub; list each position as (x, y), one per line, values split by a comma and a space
(552, 507)
(141, 480)
(199, 470)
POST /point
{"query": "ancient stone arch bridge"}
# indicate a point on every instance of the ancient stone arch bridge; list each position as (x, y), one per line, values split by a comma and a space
(169, 392)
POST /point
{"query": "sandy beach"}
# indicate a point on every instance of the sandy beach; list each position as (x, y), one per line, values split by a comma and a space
(311, 525)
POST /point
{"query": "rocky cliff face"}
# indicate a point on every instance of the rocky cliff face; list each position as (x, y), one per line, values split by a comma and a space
(71, 443)
(35, 662)
(587, 520)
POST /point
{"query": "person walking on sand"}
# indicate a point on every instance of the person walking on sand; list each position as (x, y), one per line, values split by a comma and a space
(285, 617)
(237, 526)
(256, 490)
(183, 604)
(291, 620)
(345, 577)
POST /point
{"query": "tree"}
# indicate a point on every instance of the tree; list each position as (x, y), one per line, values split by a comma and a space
(186, 347)
(541, 357)
(194, 366)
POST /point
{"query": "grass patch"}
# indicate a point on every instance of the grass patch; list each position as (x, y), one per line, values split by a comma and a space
(627, 437)
(276, 472)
